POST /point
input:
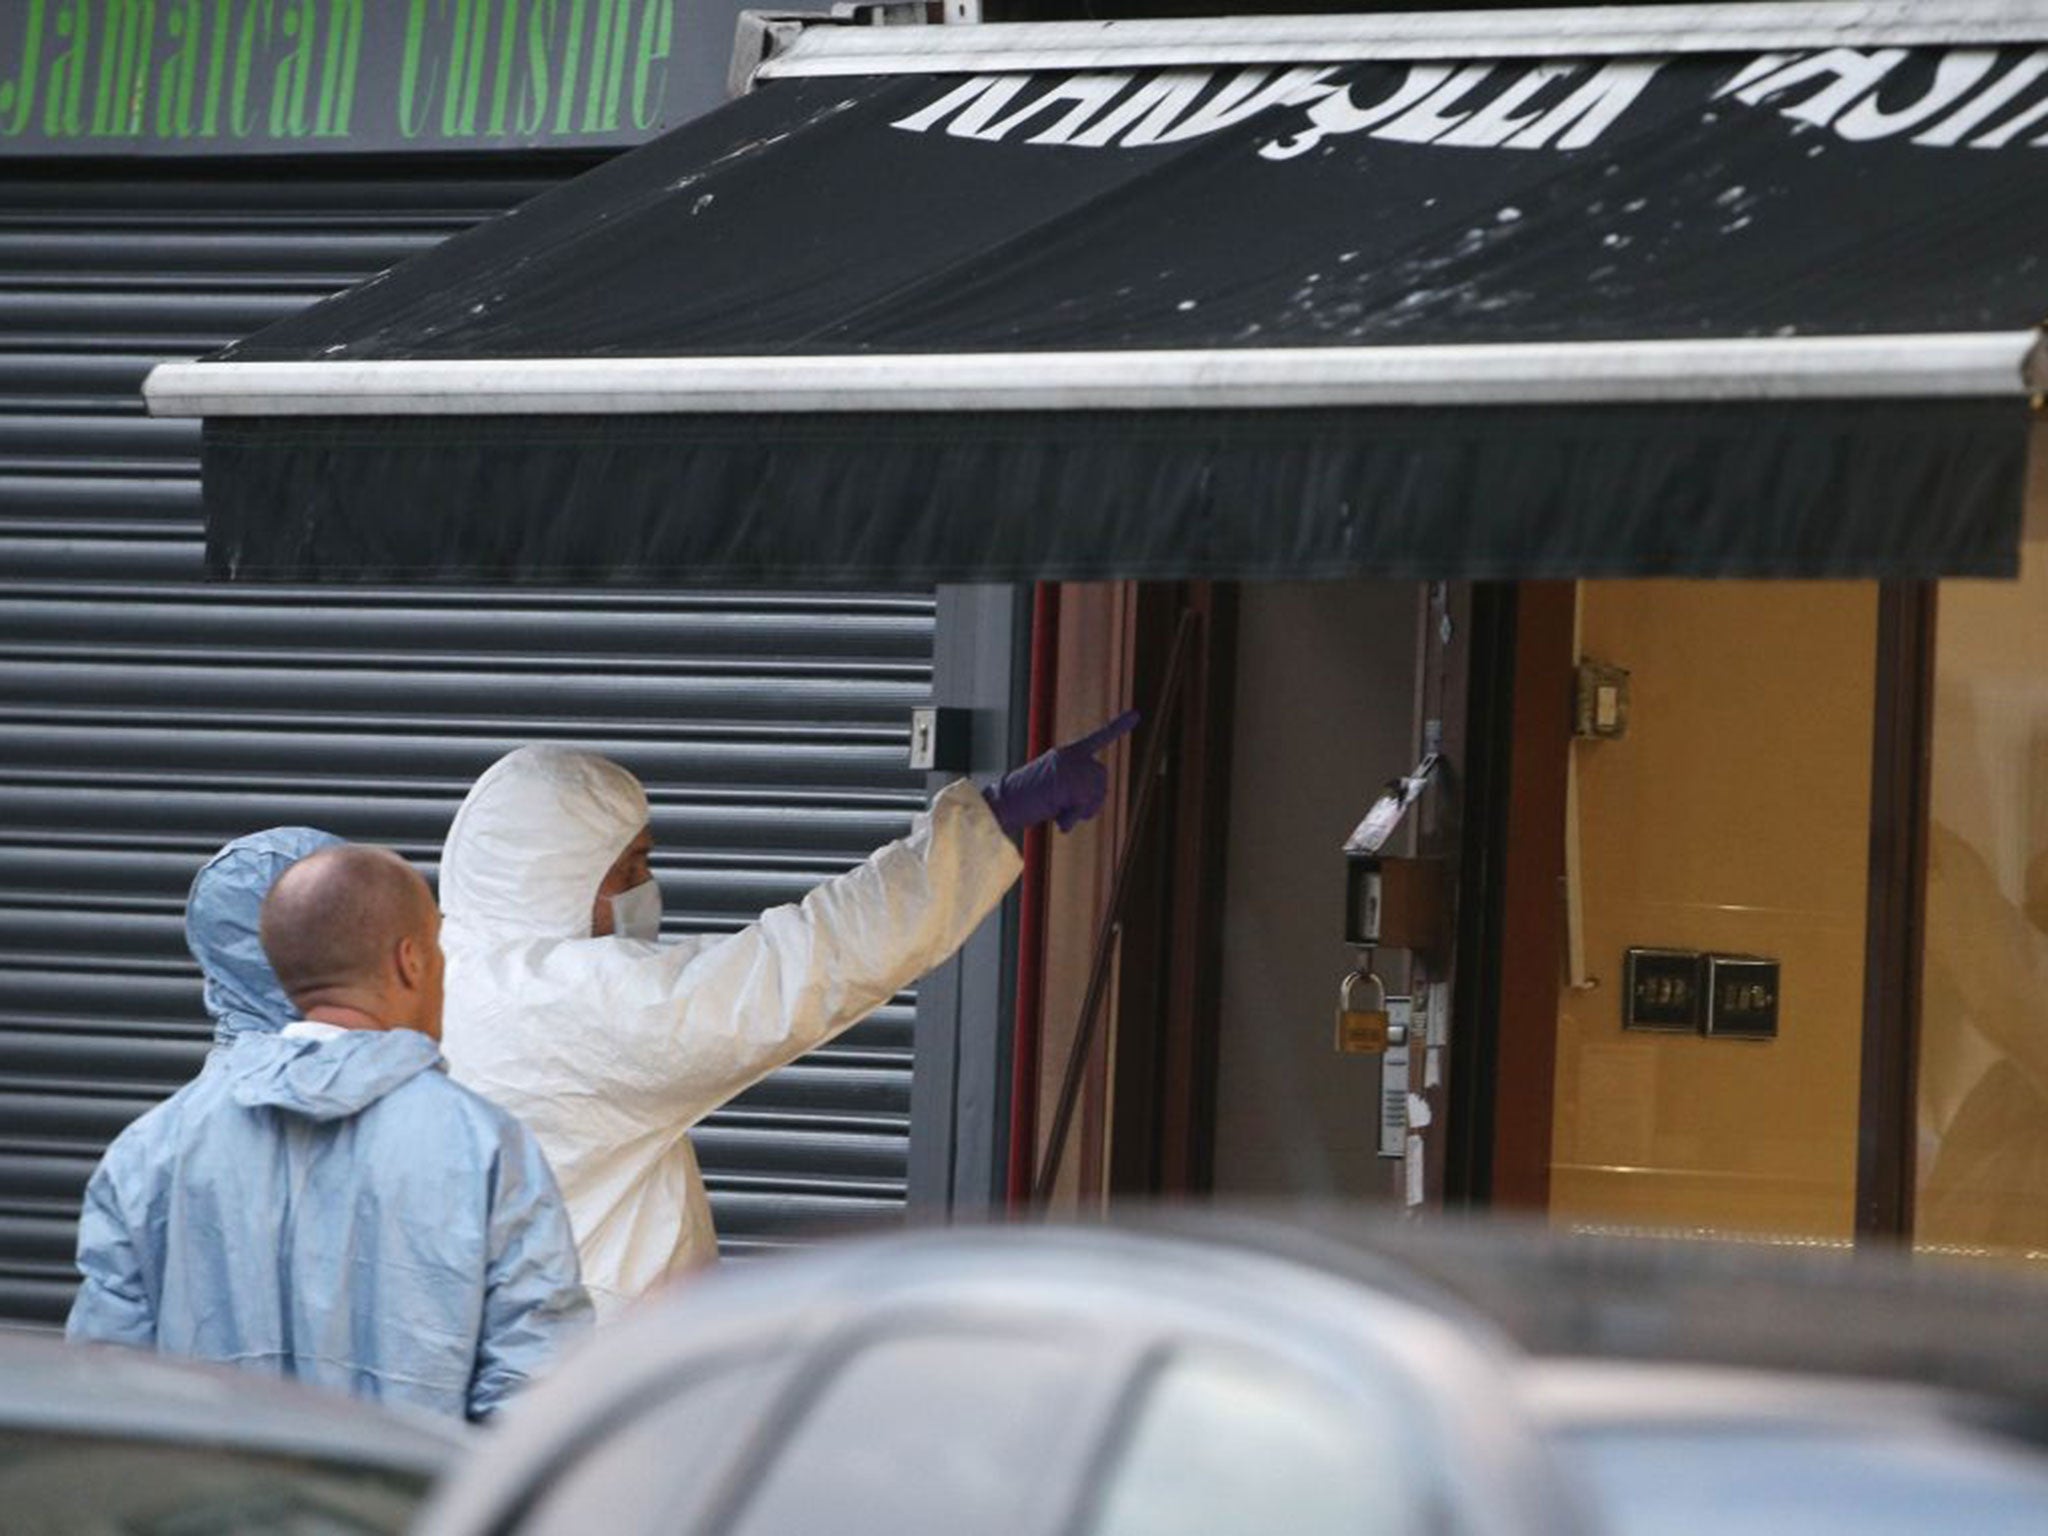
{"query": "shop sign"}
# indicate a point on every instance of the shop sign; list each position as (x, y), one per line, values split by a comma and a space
(296, 76)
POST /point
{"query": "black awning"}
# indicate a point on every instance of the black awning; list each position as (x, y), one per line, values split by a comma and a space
(1720, 312)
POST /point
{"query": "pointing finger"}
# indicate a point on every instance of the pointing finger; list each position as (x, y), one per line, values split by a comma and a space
(1116, 730)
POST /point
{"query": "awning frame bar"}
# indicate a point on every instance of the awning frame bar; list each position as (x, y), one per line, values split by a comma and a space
(780, 45)
(1971, 364)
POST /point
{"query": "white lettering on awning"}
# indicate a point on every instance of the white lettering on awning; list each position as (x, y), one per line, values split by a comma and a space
(1975, 97)
(1844, 90)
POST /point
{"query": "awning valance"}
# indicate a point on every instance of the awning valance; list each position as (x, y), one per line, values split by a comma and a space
(1354, 297)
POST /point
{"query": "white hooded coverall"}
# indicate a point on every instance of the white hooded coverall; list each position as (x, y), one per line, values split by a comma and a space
(610, 1049)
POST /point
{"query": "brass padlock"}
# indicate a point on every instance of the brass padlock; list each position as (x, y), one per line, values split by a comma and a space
(1365, 1031)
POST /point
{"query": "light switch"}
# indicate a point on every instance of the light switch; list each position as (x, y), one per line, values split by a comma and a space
(1661, 990)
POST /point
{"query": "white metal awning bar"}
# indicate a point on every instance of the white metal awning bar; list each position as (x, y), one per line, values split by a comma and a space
(1987, 364)
(797, 48)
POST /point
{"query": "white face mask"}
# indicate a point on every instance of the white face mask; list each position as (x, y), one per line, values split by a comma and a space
(636, 914)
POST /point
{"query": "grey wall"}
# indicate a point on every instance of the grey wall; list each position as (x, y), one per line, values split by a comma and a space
(1325, 715)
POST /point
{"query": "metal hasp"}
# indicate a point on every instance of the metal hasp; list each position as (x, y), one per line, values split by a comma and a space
(1661, 990)
(1392, 902)
(1742, 998)
(1396, 903)
(940, 739)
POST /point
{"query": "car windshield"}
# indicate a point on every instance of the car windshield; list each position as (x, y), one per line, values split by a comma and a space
(1708, 1480)
(86, 1485)
(1236, 1447)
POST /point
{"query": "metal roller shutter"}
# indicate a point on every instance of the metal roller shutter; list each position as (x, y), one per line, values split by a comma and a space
(146, 717)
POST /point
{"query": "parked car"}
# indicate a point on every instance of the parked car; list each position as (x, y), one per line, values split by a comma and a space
(1700, 1386)
(1233, 1379)
(100, 1441)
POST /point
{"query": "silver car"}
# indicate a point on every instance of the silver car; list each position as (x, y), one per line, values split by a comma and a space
(1250, 1381)
(100, 1441)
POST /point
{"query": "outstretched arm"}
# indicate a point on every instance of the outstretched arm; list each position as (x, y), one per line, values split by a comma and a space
(697, 1023)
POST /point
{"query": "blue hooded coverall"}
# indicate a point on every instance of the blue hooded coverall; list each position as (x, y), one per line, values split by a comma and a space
(335, 1210)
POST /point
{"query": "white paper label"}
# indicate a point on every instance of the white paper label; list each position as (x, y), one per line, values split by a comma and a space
(1394, 1084)
(1393, 1100)
(1414, 1170)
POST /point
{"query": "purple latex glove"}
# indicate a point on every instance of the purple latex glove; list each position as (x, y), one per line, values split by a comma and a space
(1065, 785)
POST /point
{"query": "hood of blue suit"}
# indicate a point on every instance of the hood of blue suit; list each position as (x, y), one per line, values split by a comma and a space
(327, 1079)
(242, 993)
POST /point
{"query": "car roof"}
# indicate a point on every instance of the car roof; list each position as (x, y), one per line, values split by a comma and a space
(1126, 1294)
(1689, 1447)
(1763, 1304)
(1576, 1395)
(47, 1385)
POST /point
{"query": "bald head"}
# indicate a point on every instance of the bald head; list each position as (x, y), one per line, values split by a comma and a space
(355, 928)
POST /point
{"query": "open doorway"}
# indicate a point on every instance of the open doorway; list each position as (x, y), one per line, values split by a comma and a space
(1325, 714)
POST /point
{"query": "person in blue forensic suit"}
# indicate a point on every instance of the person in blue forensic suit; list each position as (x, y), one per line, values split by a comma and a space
(242, 997)
(323, 1202)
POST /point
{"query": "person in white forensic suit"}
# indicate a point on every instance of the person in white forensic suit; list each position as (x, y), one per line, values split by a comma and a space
(564, 1006)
